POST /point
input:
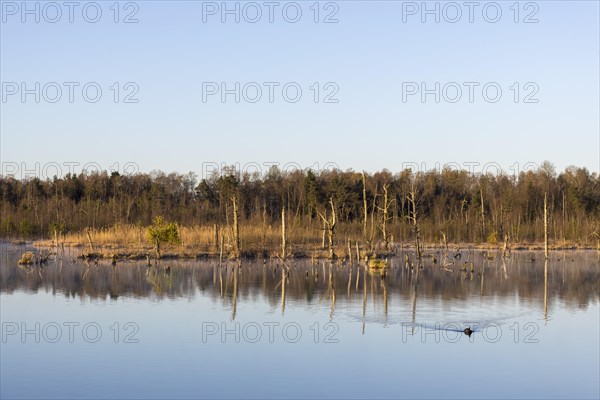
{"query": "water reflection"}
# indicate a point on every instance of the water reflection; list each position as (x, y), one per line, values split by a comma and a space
(569, 277)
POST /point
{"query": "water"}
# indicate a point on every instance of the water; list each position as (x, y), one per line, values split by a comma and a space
(199, 331)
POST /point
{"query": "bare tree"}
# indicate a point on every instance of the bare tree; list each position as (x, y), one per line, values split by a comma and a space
(236, 228)
(414, 218)
(546, 225)
(385, 218)
(329, 224)
(365, 211)
(283, 232)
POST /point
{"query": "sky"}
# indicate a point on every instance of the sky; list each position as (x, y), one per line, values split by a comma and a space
(183, 86)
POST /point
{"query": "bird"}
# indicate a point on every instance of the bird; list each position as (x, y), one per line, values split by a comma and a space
(468, 331)
(458, 254)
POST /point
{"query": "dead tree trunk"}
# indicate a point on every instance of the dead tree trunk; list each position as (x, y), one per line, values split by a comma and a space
(283, 238)
(385, 212)
(324, 235)
(89, 237)
(221, 250)
(505, 248)
(365, 210)
(329, 225)
(415, 220)
(216, 238)
(546, 225)
(349, 251)
(236, 228)
(370, 240)
(482, 216)
(444, 241)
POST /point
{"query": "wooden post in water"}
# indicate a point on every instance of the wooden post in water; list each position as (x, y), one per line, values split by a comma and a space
(546, 225)
(283, 239)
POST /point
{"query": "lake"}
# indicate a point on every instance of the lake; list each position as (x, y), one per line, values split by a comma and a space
(192, 329)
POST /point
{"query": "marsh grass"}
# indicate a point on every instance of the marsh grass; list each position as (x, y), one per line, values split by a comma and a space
(257, 240)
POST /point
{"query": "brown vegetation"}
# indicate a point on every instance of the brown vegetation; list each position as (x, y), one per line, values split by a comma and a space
(112, 213)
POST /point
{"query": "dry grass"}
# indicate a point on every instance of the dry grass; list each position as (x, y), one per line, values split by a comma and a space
(256, 240)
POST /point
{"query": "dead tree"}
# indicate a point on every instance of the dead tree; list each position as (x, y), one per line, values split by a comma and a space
(482, 216)
(370, 239)
(216, 238)
(283, 238)
(329, 226)
(89, 237)
(505, 247)
(365, 210)
(236, 228)
(546, 225)
(414, 218)
(385, 211)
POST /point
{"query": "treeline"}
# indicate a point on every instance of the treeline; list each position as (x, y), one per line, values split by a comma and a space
(457, 205)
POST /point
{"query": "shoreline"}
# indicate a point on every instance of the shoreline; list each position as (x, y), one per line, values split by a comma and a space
(191, 252)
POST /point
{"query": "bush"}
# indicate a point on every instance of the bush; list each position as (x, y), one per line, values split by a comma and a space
(161, 232)
(26, 229)
(493, 238)
(59, 228)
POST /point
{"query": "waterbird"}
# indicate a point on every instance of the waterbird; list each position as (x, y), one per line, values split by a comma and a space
(458, 254)
(468, 331)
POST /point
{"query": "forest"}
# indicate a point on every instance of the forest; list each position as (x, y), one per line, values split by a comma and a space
(250, 211)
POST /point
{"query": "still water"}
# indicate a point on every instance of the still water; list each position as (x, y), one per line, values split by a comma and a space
(191, 329)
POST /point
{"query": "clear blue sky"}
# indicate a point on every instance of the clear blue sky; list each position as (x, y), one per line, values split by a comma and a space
(369, 53)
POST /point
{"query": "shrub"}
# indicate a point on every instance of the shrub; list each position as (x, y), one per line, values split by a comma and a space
(493, 238)
(161, 232)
